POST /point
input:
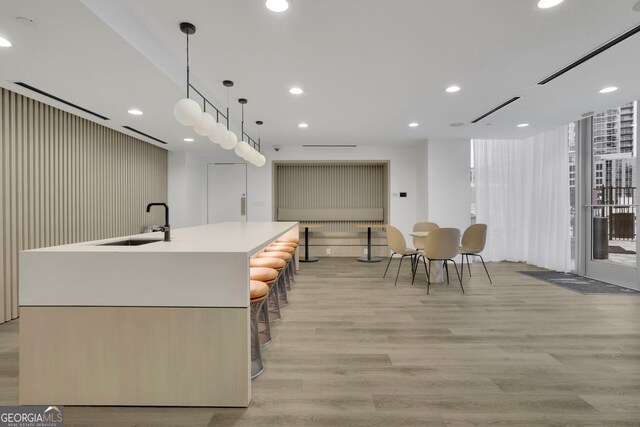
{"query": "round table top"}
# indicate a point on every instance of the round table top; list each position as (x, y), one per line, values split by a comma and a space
(309, 225)
(368, 225)
(419, 233)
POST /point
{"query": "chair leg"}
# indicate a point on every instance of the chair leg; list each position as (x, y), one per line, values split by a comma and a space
(446, 269)
(459, 276)
(428, 271)
(462, 264)
(398, 273)
(415, 269)
(485, 269)
(389, 263)
(468, 265)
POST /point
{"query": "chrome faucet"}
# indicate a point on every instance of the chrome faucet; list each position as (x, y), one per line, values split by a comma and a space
(166, 228)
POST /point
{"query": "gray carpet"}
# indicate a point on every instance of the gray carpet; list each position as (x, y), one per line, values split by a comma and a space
(582, 285)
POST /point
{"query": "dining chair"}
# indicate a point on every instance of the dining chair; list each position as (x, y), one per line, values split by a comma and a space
(473, 241)
(418, 242)
(398, 246)
(441, 244)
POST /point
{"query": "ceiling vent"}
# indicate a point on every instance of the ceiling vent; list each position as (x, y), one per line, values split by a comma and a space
(144, 134)
(329, 146)
(488, 113)
(591, 54)
(55, 98)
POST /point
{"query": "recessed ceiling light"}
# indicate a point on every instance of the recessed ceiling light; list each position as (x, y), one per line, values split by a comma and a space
(609, 89)
(523, 125)
(457, 125)
(4, 42)
(135, 112)
(303, 125)
(413, 125)
(452, 89)
(277, 5)
(296, 91)
(546, 4)
(188, 140)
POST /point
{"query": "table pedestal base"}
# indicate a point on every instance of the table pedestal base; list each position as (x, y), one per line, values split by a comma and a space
(365, 258)
(310, 259)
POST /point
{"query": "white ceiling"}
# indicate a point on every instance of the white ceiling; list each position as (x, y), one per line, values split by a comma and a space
(368, 67)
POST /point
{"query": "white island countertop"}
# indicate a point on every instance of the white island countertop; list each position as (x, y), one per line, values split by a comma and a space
(200, 267)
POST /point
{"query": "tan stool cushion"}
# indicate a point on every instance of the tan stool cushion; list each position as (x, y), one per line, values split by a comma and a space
(282, 255)
(258, 289)
(292, 244)
(263, 274)
(276, 263)
(288, 239)
(288, 249)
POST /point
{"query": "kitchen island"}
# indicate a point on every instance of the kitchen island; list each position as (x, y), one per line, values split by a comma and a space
(126, 322)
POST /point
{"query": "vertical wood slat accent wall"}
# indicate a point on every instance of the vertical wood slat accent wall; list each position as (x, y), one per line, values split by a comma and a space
(332, 186)
(64, 179)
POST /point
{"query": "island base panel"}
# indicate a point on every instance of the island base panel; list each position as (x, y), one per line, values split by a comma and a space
(141, 356)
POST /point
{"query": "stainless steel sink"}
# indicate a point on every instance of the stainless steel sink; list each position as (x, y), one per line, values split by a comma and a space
(131, 242)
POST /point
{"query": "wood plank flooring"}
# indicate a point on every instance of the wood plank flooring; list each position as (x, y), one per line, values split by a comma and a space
(352, 349)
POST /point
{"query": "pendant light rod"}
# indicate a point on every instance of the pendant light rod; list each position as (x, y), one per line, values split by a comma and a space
(188, 29)
(242, 101)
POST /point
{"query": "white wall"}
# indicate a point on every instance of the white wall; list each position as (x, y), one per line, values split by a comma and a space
(434, 174)
(449, 186)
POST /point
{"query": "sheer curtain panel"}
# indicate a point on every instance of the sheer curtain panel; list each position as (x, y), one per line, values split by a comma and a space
(522, 194)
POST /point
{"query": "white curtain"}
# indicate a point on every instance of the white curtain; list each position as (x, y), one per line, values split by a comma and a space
(522, 194)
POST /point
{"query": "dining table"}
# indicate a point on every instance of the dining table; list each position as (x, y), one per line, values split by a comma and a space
(306, 227)
(369, 226)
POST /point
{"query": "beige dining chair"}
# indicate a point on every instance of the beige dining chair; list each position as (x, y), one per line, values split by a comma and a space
(473, 241)
(418, 242)
(398, 246)
(441, 244)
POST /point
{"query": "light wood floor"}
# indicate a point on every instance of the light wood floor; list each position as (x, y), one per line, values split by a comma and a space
(352, 349)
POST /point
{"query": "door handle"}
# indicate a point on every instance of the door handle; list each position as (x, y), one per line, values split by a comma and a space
(243, 206)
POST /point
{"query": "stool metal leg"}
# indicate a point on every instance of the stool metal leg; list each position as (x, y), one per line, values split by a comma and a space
(274, 302)
(263, 319)
(256, 355)
(282, 291)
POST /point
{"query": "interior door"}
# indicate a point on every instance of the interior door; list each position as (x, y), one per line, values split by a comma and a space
(226, 192)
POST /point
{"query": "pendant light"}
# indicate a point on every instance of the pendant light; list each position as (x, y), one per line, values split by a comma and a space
(260, 159)
(230, 139)
(187, 111)
(219, 133)
(242, 148)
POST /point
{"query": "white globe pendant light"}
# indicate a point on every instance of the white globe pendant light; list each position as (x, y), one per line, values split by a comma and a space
(218, 134)
(230, 141)
(261, 160)
(242, 149)
(187, 111)
(205, 125)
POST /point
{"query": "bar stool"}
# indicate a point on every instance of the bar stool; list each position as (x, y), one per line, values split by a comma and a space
(287, 257)
(258, 292)
(286, 247)
(268, 314)
(288, 239)
(279, 265)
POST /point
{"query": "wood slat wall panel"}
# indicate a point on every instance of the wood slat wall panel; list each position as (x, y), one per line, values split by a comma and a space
(65, 179)
(326, 185)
